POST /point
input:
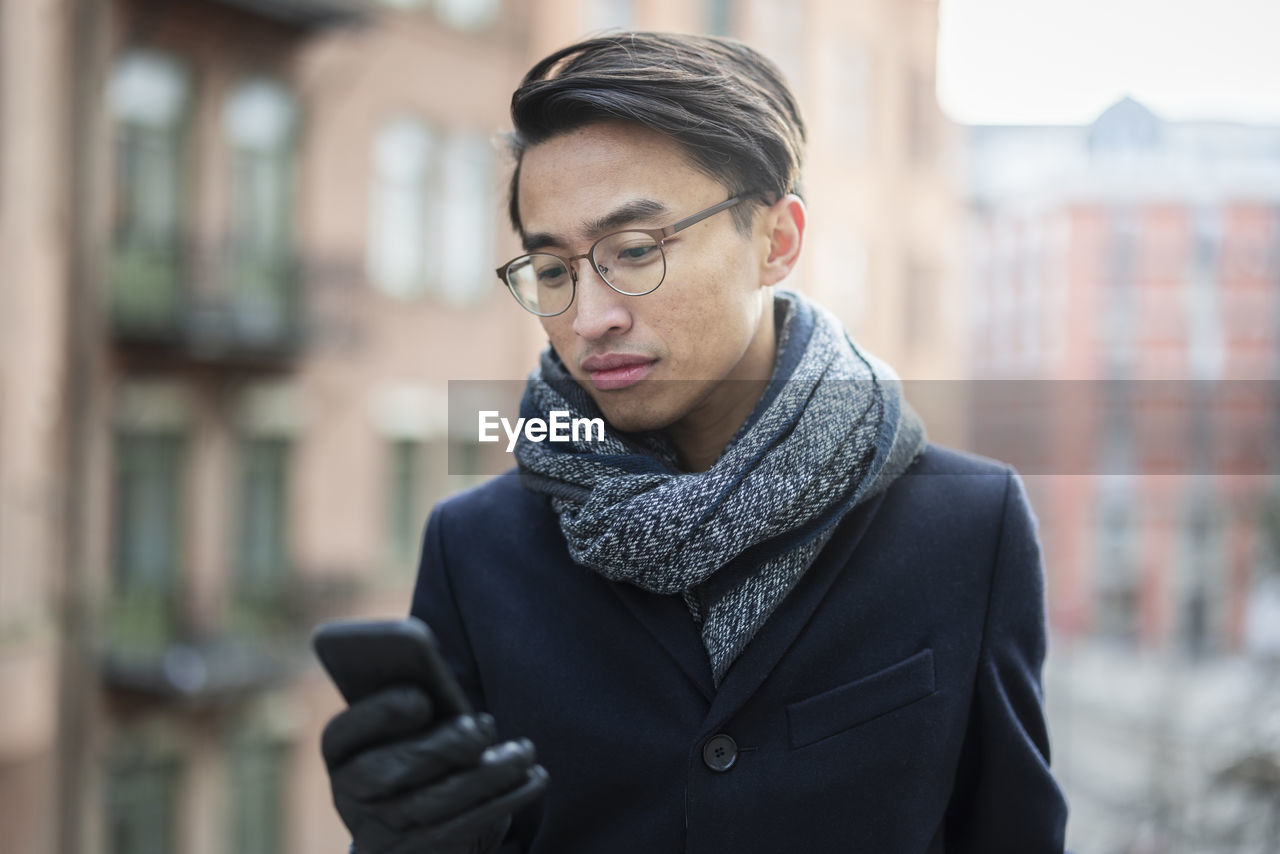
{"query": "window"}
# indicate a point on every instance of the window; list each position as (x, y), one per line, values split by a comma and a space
(467, 264)
(846, 262)
(404, 500)
(432, 213)
(263, 543)
(268, 416)
(259, 122)
(1120, 312)
(1262, 608)
(467, 14)
(1208, 226)
(417, 477)
(1206, 349)
(466, 465)
(141, 799)
(413, 421)
(720, 17)
(404, 213)
(148, 97)
(608, 14)
(1204, 562)
(852, 109)
(1116, 584)
(257, 798)
(782, 30)
(147, 538)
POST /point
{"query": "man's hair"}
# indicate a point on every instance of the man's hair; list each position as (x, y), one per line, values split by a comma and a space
(727, 105)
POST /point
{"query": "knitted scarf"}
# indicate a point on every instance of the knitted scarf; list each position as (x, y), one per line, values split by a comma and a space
(831, 430)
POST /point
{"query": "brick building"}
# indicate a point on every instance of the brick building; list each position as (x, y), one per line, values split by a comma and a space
(1126, 283)
(245, 245)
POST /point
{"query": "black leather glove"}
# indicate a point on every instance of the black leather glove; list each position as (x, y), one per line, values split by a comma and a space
(405, 783)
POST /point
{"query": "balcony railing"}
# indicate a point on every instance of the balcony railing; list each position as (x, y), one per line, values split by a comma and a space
(223, 307)
(200, 671)
(304, 13)
(151, 650)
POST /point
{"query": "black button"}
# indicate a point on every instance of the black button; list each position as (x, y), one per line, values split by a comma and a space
(720, 752)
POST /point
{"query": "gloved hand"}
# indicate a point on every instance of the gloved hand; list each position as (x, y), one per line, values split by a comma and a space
(405, 783)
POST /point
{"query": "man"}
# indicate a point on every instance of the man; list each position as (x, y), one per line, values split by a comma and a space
(761, 614)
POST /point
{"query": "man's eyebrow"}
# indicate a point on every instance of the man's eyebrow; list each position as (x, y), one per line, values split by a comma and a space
(639, 209)
(625, 215)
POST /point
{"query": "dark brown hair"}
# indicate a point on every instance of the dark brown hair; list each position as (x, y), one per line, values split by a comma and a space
(726, 104)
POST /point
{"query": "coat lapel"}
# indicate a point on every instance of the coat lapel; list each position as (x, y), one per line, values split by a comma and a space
(762, 654)
(669, 621)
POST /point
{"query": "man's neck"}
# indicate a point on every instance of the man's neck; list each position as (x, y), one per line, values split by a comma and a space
(701, 438)
(702, 435)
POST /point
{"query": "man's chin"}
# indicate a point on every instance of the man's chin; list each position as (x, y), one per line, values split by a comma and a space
(633, 412)
(633, 422)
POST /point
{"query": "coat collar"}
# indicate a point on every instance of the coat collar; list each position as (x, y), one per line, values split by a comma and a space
(669, 621)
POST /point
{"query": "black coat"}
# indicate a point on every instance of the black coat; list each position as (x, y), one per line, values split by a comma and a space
(890, 705)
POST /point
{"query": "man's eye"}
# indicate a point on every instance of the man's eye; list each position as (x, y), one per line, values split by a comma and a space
(633, 254)
(551, 276)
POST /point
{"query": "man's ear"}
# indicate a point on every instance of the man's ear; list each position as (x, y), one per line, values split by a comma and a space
(783, 234)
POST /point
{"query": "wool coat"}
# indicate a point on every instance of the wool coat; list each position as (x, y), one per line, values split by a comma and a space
(890, 705)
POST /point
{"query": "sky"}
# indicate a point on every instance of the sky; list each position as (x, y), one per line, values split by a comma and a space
(1065, 61)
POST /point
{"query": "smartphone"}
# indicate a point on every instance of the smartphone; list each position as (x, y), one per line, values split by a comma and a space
(365, 656)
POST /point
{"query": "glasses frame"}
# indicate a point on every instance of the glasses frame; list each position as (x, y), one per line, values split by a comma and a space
(659, 235)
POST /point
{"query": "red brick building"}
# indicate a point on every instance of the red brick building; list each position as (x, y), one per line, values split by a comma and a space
(1126, 284)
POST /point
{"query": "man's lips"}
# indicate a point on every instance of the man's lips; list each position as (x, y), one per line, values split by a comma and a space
(616, 370)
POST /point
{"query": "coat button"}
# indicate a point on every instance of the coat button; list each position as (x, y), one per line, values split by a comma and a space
(720, 752)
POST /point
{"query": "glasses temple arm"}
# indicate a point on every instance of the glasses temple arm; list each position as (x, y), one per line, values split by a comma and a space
(700, 216)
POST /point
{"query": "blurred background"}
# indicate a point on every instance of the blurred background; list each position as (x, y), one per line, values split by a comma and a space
(245, 245)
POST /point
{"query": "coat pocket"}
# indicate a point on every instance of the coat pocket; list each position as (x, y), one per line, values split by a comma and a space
(859, 701)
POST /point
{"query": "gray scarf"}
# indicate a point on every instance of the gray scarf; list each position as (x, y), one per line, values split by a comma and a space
(831, 430)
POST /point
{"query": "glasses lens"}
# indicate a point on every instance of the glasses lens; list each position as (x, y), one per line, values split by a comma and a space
(541, 283)
(631, 261)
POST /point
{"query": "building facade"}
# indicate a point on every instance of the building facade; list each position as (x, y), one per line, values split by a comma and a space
(1126, 282)
(246, 246)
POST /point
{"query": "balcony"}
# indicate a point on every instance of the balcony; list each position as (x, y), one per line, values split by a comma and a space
(303, 13)
(152, 654)
(200, 672)
(222, 309)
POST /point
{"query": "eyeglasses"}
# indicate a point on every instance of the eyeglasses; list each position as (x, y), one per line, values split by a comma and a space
(631, 262)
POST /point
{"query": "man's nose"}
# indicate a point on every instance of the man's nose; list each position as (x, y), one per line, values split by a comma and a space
(600, 310)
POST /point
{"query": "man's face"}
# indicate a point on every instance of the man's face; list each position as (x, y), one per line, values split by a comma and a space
(685, 353)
